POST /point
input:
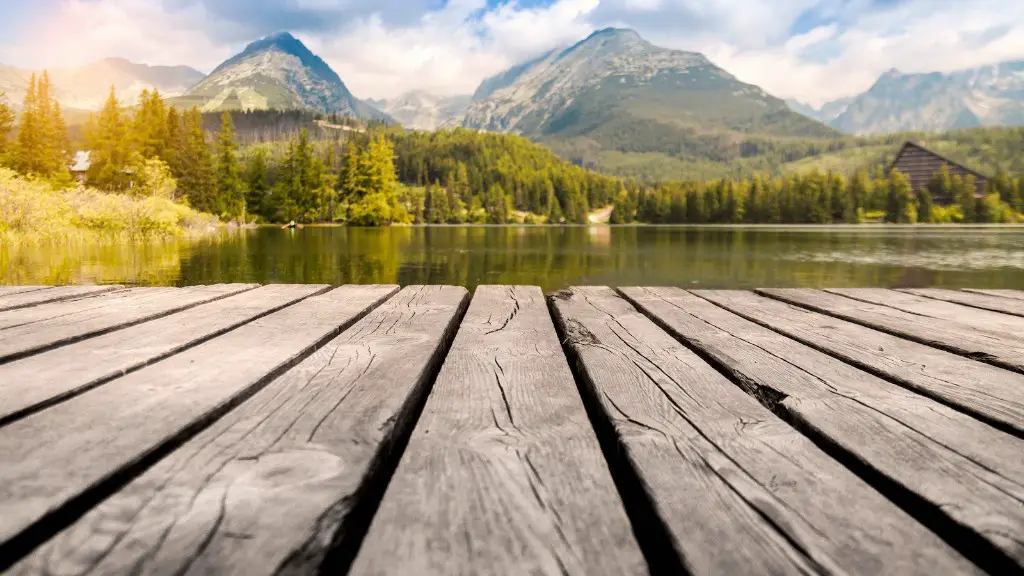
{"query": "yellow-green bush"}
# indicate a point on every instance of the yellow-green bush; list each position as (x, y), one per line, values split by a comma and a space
(36, 210)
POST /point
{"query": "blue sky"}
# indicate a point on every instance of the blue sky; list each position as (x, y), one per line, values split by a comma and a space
(811, 49)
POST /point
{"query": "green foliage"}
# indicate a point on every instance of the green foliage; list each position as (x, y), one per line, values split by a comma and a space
(112, 159)
(901, 208)
(33, 210)
(43, 143)
(195, 166)
(156, 180)
(256, 187)
(7, 118)
(230, 188)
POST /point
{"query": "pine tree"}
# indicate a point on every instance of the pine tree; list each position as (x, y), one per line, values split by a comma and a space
(175, 142)
(197, 179)
(30, 132)
(7, 119)
(150, 128)
(256, 188)
(230, 189)
(107, 139)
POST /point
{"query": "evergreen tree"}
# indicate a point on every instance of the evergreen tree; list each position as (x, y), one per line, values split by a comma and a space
(7, 118)
(197, 180)
(230, 189)
(256, 188)
(30, 132)
(175, 142)
(151, 126)
(107, 139)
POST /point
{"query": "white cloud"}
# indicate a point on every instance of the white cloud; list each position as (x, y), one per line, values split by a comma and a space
(847, 45)
(931, 36)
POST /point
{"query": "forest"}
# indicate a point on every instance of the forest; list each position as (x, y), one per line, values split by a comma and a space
(269, 166)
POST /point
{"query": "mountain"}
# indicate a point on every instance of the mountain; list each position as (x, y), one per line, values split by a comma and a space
(424, 111)
(985, 96)
(616, 92)
(87, 87)
(277, 72)
(826, 113)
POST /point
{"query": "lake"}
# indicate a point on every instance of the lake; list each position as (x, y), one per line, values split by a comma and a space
(551, 257)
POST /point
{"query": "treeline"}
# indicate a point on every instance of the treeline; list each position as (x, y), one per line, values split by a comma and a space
(500, 173)
(260, 126)
(42, 142)
(379, 174)
(821, 198)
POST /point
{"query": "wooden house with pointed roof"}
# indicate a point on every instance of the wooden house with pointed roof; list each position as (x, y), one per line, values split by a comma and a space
(920, 164)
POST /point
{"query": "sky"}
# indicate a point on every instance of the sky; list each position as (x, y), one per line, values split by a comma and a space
(812, 50)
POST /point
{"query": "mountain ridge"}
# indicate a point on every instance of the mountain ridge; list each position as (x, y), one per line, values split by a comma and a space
(277, 72)
(87, 87)
(616, 92)
(990, 95)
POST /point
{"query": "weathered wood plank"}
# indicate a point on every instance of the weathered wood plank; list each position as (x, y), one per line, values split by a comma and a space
(925, 447)
(1014, 294)
(48, 475)
(956, 337)
(11, 290)
(28, 384)
(23, 332)
(36, 296)
(983, 321)
(741, 491)
(503, 473)
(982, 301)
(992, 394)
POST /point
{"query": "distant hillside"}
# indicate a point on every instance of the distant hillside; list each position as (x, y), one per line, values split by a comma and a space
(988, 150)
(421, 110)
(86, 87)
(984, 96)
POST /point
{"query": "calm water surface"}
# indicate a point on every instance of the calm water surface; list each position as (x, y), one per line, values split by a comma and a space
(551, 257)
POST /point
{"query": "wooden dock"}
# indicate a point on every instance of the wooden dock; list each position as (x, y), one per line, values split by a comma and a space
(296, 429)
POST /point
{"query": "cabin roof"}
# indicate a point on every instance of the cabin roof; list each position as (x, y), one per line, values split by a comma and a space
(924, 163)
(81, 162)
(908, 144)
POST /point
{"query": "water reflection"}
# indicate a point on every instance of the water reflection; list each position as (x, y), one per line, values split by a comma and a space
(552, 257)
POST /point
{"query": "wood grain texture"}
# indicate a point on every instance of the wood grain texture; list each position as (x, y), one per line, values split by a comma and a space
(9, 290)
(980, 301)
(739, 489)
(32, 330)
(991, 347)
(992, 394)
(983, 321)
(938, 453)
(266, 488)
(1014, 294)
(503, 473)
(28, 384)
(120, 428)
(35, 295)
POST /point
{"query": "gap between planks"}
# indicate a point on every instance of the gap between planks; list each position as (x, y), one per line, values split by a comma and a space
(50, 478)
(36, 382)
(920, 453)
(770, 500)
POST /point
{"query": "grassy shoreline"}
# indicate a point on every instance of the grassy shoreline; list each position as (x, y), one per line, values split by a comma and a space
(37, 211)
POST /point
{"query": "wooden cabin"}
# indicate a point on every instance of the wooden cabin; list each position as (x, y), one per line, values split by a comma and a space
(920, 164)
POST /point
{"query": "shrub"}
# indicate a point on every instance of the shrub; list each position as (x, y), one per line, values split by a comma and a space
(32, 209)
